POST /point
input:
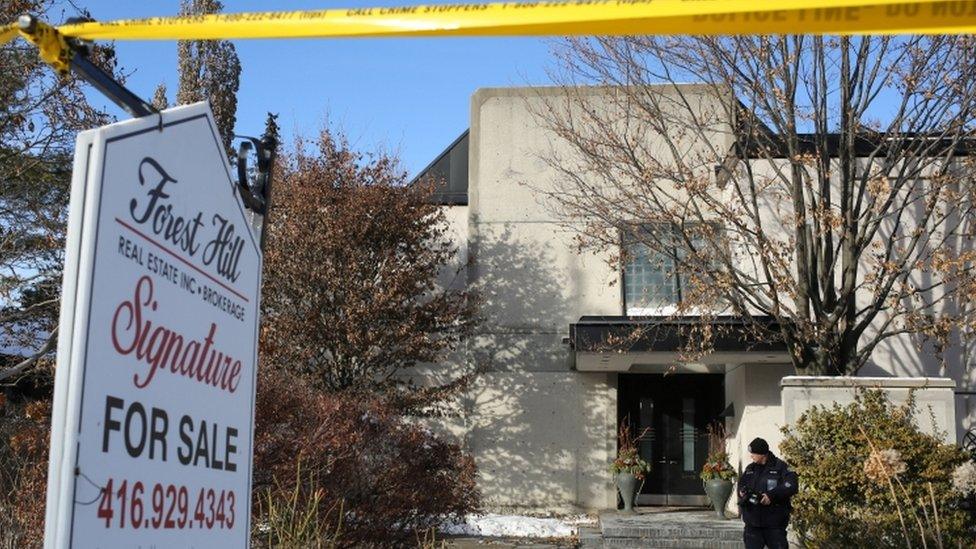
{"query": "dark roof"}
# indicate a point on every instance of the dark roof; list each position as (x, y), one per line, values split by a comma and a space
(668, 334)
(449, 172)
(776, 147)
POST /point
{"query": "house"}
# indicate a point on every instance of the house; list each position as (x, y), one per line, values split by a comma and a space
(542, 421)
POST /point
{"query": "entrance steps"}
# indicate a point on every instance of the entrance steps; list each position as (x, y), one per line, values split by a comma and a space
(653, 527)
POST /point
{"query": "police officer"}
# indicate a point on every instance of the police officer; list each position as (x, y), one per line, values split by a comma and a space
(765, 489)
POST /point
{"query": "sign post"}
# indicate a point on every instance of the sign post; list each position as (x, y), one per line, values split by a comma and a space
(154, 400)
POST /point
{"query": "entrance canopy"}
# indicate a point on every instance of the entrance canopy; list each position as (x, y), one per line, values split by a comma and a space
(619, 343)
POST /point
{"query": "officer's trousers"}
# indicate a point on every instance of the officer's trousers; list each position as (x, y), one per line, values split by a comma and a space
(760, 538)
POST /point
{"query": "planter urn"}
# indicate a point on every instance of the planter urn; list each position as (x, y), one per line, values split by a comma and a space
(718, 491)
(627, 486)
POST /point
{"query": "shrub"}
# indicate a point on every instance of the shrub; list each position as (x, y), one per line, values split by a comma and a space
(869, 477)
(24, 441)
(391, 478)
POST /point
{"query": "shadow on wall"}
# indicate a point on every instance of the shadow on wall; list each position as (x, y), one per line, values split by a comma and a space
(914, 355)
(537, 427)
(917, 355)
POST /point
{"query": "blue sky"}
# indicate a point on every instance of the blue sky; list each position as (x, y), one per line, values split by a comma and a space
(410, 96)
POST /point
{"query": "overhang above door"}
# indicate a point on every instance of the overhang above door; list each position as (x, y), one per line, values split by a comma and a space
(620, 344)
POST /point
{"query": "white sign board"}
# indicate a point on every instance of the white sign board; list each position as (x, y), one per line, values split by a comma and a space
(157, 357)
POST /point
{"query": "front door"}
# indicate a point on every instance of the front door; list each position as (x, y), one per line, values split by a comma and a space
(673, 411)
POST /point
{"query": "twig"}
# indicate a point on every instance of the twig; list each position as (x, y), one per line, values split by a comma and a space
(30, 361)
(901, 518)
(921, 528)
(894, 497)
(935, 512)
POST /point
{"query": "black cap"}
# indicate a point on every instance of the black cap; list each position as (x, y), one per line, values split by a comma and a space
(758, 446)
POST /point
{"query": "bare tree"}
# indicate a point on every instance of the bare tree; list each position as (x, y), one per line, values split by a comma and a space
(209, 70)
(822, 182)
(40, 115)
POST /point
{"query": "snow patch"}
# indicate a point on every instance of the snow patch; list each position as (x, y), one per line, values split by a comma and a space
(516, 526)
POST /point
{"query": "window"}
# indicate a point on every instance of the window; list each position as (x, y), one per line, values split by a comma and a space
(649, 279)
(651, 285)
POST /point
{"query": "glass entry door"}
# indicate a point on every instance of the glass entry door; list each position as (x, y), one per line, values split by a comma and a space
(673, 413)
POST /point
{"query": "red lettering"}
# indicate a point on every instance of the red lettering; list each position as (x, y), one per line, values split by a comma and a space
(155, 346)
(135, 316)
(235, 376)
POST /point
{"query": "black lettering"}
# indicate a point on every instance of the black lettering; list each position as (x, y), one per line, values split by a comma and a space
(185, 422)
(202, 446)
(224, 250)
(111, 403)
(214, 462)
(135, 409)
(230, 448)
(160, 424)
(154, 194)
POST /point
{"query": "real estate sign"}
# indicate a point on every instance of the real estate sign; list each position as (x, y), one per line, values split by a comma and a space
(157, 356)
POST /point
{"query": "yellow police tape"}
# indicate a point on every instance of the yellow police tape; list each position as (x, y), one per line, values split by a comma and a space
(602, 17)
(7, 33)
(51, 44)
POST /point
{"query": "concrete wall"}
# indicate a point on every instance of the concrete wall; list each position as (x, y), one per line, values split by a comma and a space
(935, 411)
(541, 440)
(753, 389)
(541, 433)
(456, 218)
(755, 392)
(454, 275)
(909, 355)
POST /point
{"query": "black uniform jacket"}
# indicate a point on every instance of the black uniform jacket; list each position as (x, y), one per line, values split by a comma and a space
(775, 479)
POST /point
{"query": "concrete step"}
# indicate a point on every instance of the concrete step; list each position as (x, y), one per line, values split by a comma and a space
(672, 532)
(651, 543)
(590, 538)
(694, 529)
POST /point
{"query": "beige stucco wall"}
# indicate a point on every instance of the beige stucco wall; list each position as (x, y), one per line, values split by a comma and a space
(454, 426)
(902, 355)
(754, 389)
(541, 432)
(910, 355)
(540, 440)
(456, 218)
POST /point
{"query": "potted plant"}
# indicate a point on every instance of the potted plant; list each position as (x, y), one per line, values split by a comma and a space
(717, 474)
(628, 469)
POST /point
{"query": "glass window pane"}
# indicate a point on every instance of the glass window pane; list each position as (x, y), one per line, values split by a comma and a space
(646, 429)
(649, 279)
(688, 434)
